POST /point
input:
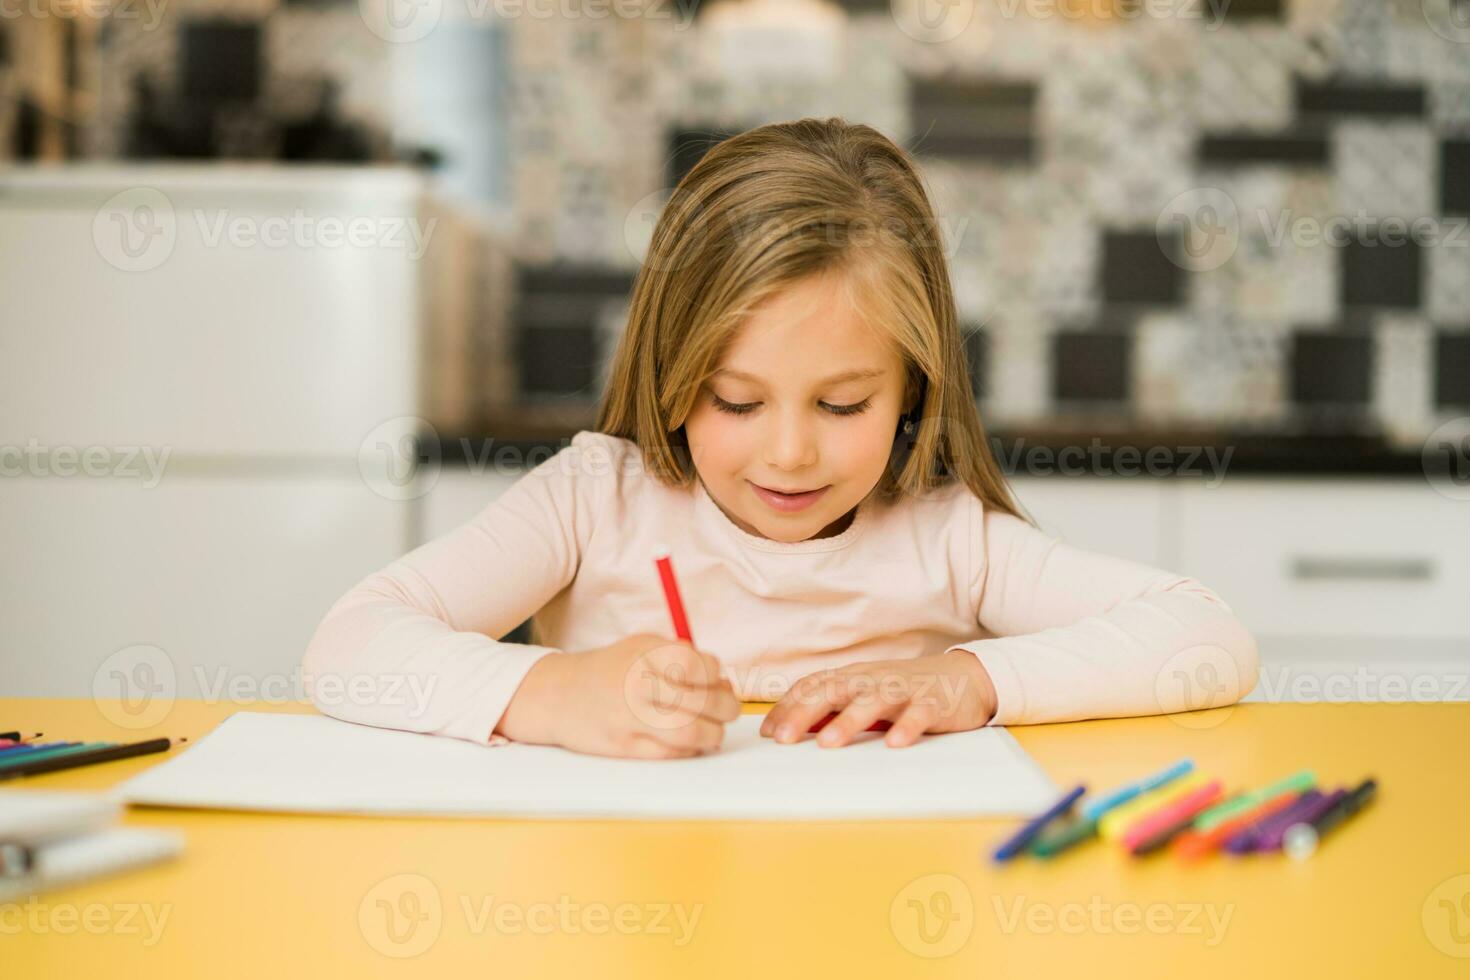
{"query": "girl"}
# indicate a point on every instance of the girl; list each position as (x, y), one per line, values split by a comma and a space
(789, 417)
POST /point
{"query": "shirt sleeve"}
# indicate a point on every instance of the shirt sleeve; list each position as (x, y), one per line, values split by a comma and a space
(1069, 634)
(414, 646)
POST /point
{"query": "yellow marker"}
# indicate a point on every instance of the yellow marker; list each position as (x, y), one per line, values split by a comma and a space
(1117, 820)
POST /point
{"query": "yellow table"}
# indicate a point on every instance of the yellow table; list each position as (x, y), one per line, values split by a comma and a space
(264, 896)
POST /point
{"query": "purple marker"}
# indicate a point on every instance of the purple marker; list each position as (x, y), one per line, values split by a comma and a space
(1245, 841)
(1270, 838)
(1023, 837)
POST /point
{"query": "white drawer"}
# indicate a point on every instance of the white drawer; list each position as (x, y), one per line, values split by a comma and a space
(1324, 558)
(228, 575)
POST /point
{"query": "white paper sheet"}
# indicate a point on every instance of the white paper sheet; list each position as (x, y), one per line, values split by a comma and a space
(309, 763)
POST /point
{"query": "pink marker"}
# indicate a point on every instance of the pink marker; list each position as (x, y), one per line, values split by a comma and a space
(1171, 813)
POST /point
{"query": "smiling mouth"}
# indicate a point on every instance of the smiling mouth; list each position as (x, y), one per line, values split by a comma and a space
(787, 501)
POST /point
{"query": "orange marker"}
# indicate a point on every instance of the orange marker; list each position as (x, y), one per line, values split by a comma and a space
(1195, 844)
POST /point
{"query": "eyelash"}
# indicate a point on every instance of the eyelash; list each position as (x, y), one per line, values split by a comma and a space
(744, 408)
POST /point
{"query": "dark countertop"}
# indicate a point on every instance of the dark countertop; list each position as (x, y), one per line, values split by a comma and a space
(1041, 451)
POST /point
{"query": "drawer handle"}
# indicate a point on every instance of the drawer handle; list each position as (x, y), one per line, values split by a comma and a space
(1318, 569)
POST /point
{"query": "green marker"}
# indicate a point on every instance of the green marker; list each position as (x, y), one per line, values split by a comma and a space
(1062, 838)
(1218, 814)
(21, 760)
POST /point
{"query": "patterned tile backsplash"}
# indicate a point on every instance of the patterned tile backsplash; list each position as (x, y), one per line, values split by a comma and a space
(1245, 214)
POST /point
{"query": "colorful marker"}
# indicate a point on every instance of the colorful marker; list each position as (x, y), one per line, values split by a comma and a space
(1094, 809)
(1245, 841)
(1051, 844)
(1157, 827)
(1023, 837)
(1119, 819)
(1301, 840)
(1298, 782)
(1273, 831)
(671, 596)
(89, 755)
(1196, 843)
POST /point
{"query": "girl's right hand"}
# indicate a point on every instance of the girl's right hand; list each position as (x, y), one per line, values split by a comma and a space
(644, 697)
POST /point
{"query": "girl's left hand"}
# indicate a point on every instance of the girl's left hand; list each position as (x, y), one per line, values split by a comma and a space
(944, 692)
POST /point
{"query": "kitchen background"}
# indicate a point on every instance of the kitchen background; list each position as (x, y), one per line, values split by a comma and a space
(1229, 238)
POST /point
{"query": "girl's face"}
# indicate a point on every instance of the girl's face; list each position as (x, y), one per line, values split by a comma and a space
(794, 427)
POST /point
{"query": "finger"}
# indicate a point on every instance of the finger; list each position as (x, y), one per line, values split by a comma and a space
(911, 723)
(696, 735)
(808, 704)
(723, 705)
(684, 665)
(854, 718)
(718, 704)
(644, 746)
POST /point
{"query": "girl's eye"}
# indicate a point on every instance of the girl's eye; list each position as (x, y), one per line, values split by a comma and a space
(732, 407)
(743, 408)
(853, 409)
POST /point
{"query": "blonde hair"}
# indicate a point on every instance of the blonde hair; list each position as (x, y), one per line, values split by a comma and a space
(761, 211)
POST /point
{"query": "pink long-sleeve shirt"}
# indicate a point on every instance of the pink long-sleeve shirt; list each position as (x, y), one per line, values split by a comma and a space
(1065, 634)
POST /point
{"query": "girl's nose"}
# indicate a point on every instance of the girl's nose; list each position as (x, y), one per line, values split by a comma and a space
(790, 444)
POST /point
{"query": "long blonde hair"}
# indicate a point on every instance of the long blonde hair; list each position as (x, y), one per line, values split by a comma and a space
(765, 209)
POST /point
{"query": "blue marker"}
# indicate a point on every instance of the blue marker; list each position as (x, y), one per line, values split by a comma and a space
(1096, 808)
(30, 747)
(1027, 834)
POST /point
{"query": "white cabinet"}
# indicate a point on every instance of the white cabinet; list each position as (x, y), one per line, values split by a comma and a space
(226, 575)
(1388, 558)
(254, 327)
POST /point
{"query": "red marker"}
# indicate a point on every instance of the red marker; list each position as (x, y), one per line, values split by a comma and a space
(671, 594)
(881, 725)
